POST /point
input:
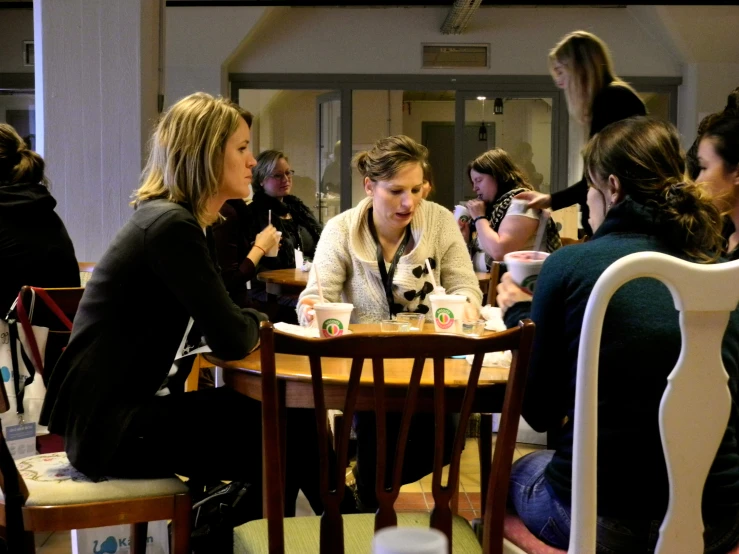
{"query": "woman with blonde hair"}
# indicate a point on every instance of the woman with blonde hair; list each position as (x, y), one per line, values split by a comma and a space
(581, 65)
(375, 256)
(498, 229)
(639, 202)
(116, 394)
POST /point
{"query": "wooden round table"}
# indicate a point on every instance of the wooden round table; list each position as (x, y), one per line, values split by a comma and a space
(280, 282)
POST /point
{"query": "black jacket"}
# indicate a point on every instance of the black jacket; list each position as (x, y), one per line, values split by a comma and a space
(640, 347)
(35, 248)
(156, 274)
(302, 230)
(612, 103)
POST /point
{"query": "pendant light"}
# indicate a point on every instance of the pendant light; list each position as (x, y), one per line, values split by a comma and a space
(498, 106)
(482, 133)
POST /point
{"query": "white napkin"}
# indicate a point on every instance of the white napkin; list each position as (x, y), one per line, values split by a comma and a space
(493, 322)
(290, 329)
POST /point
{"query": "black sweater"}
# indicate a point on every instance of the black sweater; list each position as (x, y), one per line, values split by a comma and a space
(35, 248)
(157, 273)
(612, 103)
(640, 346)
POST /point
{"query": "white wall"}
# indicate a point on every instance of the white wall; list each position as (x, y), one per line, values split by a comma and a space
(15, 27)
(372, 40)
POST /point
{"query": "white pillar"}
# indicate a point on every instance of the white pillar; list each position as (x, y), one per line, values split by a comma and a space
(96, 101)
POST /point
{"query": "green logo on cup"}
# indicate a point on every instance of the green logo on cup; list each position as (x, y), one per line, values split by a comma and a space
(444, 318)
(332, 328)
(529, 283)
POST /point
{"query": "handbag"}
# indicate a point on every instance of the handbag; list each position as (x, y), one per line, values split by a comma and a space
(22, 351)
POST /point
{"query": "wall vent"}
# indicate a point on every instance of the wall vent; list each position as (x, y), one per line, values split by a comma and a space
(450, 56)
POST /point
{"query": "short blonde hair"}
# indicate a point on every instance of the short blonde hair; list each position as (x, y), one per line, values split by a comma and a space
(588, 62)
(186, 153)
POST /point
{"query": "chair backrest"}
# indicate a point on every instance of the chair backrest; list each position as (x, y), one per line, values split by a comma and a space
(566, 241)
(495, 274)
(68, 300)
(86, 269)
(378, 348)
(695, 407)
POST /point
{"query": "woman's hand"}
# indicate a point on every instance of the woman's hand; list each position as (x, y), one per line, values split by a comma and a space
(509, 293)
(471, 312)
(464, 227)
(267, 239)
(309, 312)
(476, 208)
(537, 200)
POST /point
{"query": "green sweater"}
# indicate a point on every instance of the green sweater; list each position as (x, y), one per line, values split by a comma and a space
(640, 346)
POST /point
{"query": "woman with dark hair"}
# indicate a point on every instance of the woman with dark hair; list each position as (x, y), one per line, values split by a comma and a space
(272, 202)
(718, 162)
(581, 65)
(35, 248)
(639, 201)
(496, 229)
(730, 110)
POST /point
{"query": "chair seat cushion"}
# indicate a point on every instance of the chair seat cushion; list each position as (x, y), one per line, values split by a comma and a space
(302, 534)
(518, 534)
(52, 481)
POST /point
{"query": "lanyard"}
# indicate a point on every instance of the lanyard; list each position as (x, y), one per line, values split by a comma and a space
(385, 274)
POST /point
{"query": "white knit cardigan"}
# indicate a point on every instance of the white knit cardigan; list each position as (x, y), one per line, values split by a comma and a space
(346, 257)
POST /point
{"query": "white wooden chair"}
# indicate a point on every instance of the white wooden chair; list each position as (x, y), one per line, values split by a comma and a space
(693, 413)
(695, 407)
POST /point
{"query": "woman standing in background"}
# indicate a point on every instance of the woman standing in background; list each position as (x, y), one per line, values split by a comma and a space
(581, 65)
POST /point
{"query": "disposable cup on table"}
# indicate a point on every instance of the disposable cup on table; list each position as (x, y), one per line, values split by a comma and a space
(524, 267)
(272, 252)
(473, 328)
(333, 318)
(394, 326)
(448, 311)
(410, 540)
(459, 211)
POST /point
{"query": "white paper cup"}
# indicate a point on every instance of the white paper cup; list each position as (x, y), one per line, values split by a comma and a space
(333, 318)
(518, 207)
(459, 211)
(448, 311)
(524, 267)
(410, 540)
(272, 252)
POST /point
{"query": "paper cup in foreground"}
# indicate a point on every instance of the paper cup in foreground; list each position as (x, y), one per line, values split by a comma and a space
(524, 267)
(448, 310)
(272, 252)
(333, 318)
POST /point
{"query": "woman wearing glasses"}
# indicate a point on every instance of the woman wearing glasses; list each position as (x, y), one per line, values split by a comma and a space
(272, 204)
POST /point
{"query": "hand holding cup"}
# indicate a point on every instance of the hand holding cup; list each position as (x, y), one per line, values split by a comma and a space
(268, 239)
(509, 293)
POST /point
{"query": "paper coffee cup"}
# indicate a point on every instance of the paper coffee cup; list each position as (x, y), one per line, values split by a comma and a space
(447, 310)
(272, 252)
(524, 267)
(333, 318)
(409, 540)
(459, 211)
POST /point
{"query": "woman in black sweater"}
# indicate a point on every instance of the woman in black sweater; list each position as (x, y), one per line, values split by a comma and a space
(35, 248)
(581, 65)
(116, 393)
(639, 202)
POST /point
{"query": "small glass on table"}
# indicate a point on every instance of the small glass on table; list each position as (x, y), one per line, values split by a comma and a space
(415, 321)
(473, 327)
(394, 326)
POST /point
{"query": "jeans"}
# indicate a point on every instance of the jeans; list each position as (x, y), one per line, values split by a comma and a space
(549, 519)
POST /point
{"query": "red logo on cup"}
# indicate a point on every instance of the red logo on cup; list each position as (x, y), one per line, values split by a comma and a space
(444, 318)
(332, 328)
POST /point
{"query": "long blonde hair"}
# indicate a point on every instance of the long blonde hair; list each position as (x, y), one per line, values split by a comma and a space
(388, 156)
(186, 153)
(588, 61)
(18, 164)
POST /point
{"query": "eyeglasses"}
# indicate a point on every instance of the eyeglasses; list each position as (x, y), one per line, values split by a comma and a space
(283, 176)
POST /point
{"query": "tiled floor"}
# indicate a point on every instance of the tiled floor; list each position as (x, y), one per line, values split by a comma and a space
(413, 497)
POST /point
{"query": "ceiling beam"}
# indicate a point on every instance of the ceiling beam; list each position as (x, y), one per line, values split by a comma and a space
(459, 16)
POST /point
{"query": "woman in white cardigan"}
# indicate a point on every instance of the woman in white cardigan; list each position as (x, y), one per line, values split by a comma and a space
(405, 226)
(397, 227)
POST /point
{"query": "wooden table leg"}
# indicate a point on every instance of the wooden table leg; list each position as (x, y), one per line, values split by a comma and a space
(485, 451)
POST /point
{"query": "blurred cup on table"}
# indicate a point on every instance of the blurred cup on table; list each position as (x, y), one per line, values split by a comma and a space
(448, 311)
(415, 321)
(272, 252)
(394, 326)
(409, 540)
(473, 327)
(333, 318)
(524, 267)
(459, 211)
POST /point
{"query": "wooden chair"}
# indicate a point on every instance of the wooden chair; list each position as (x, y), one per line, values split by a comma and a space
(304, 534)
(691, 431)
(567, 241)
(496, 270)
(45, 493)
(86, 269)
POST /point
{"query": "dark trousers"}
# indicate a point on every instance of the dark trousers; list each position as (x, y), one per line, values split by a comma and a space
(216, 434)
(419, 451)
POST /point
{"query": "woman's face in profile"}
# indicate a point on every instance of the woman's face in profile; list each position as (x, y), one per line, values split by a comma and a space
(561, 75)
(721, 183)
(484, 185)
(238, 162)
